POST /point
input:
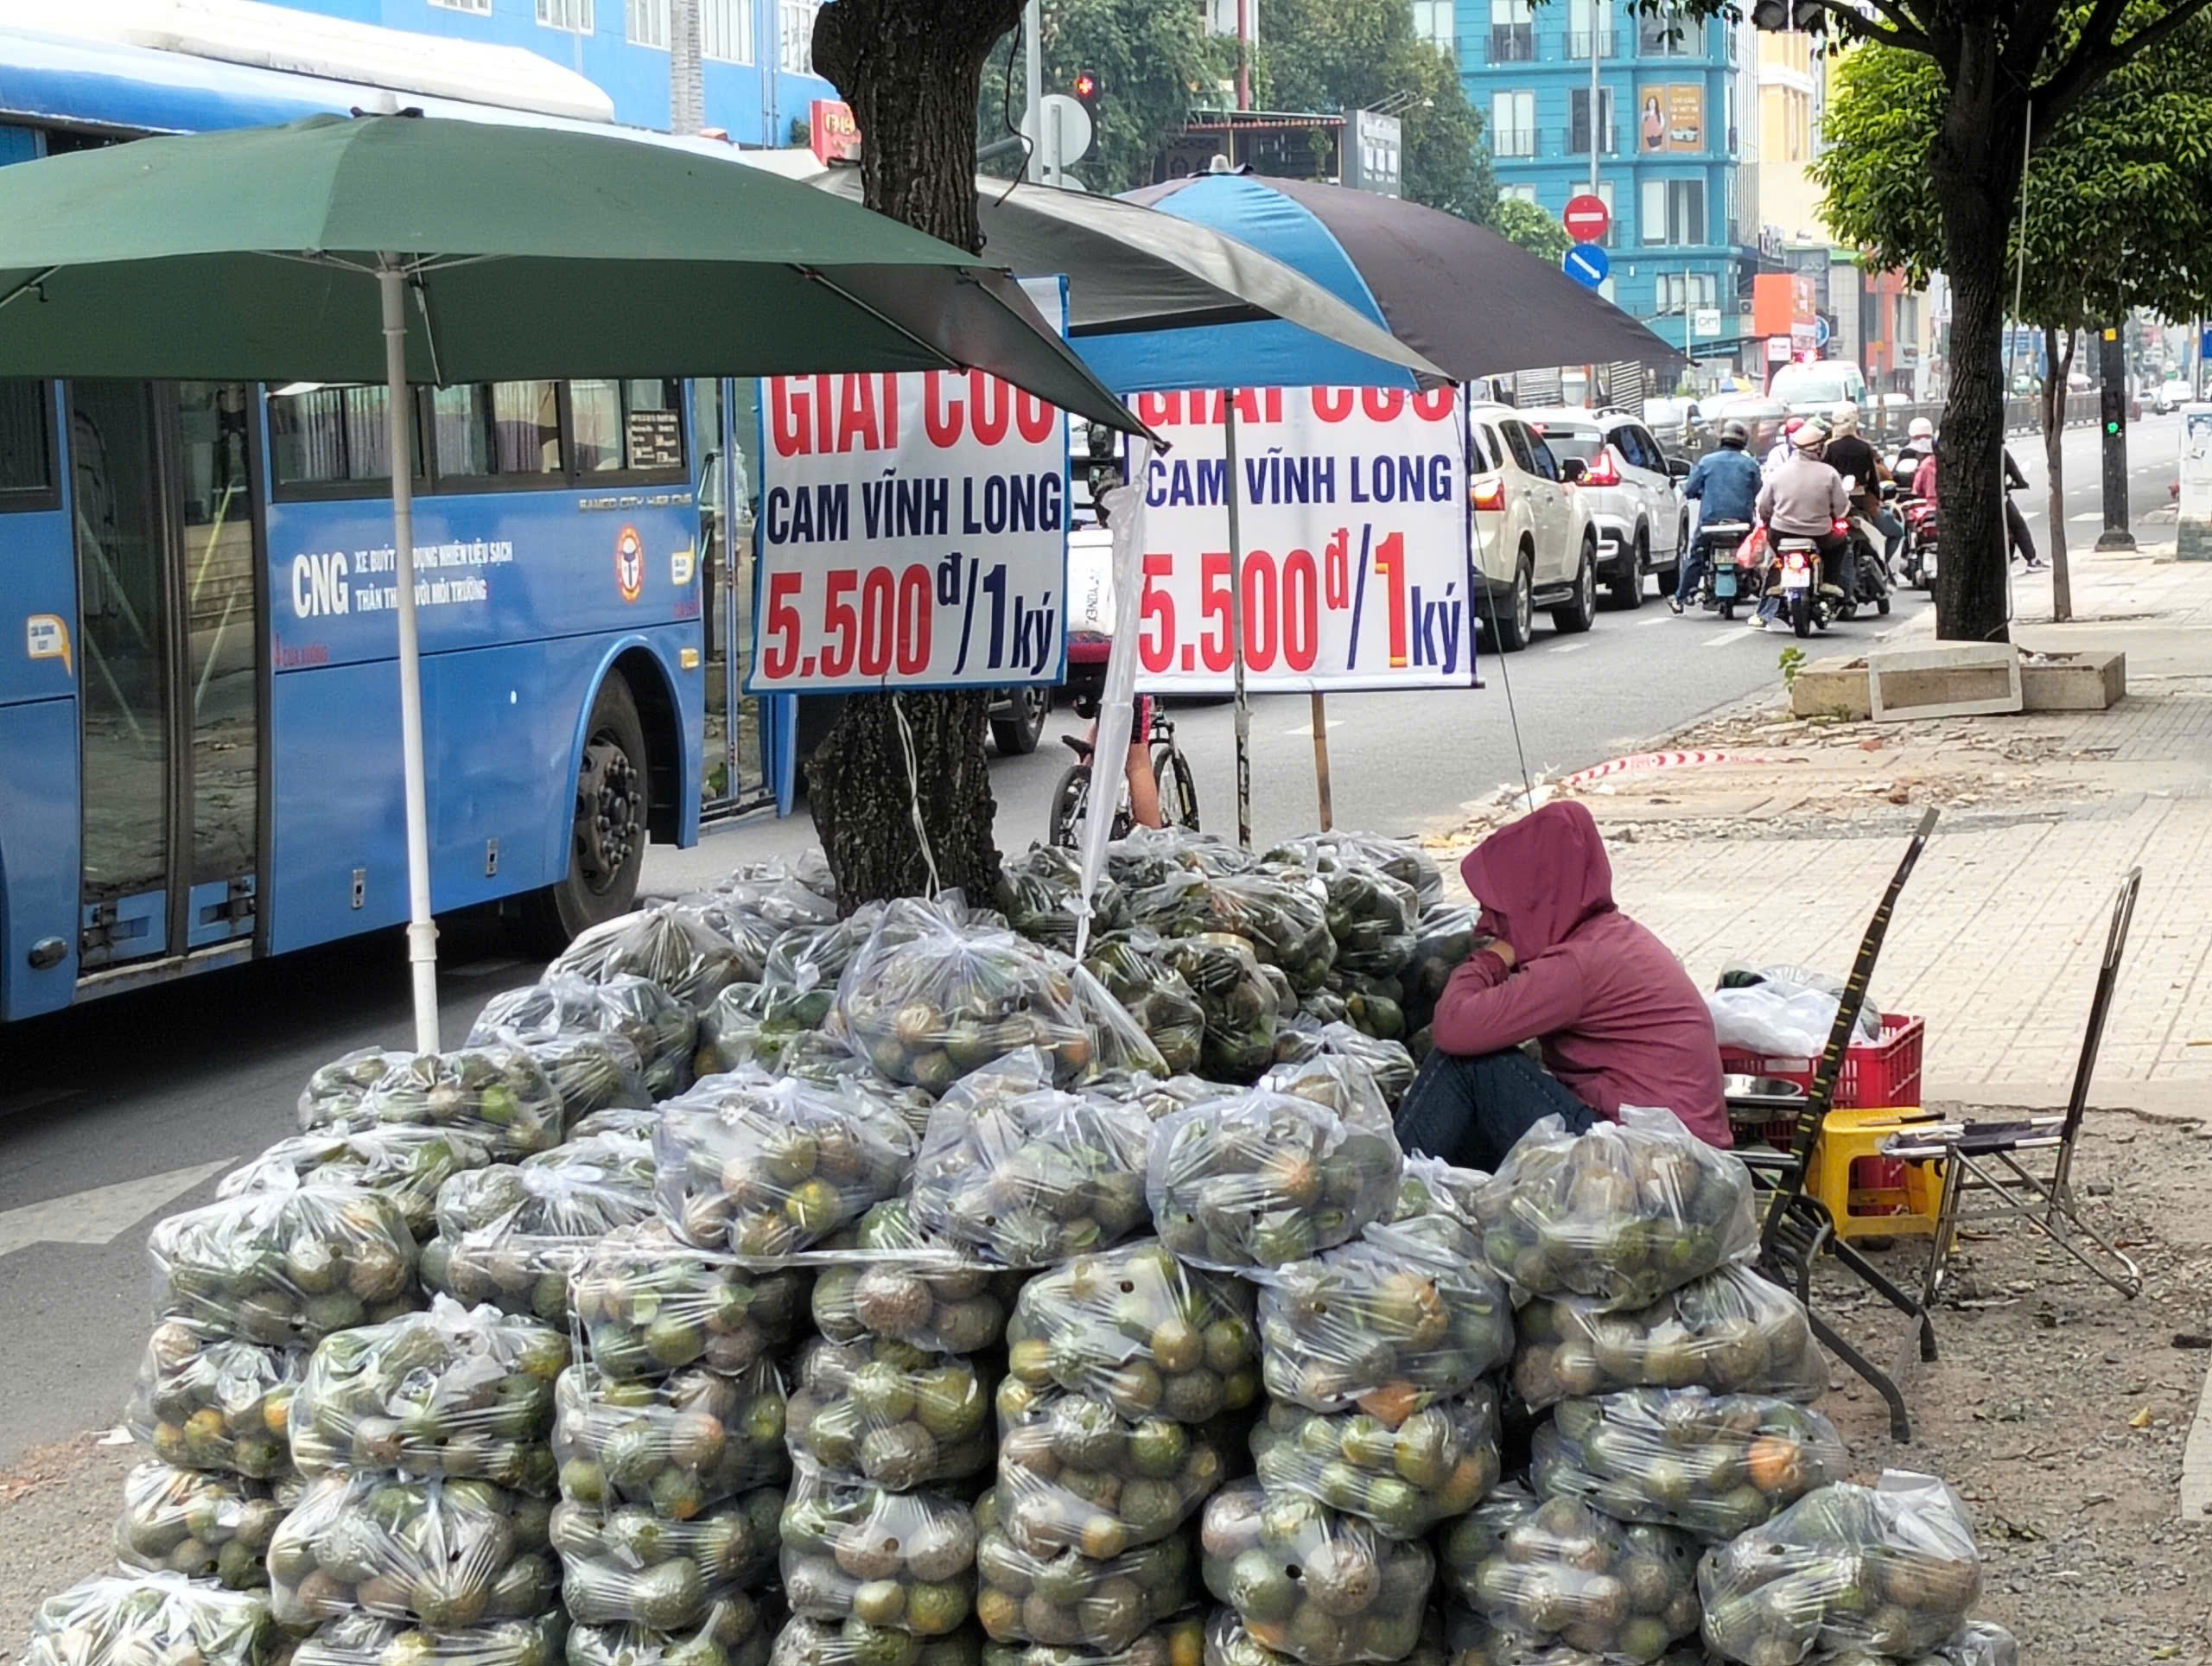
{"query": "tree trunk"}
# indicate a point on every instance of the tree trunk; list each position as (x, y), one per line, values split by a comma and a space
(2056, 391)
(911, 70)
(1975, 169)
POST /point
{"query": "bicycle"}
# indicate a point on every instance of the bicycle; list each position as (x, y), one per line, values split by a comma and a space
(1179, 791)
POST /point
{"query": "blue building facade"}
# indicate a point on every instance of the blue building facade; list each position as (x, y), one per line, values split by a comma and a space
(1666, 126)
(758, 60)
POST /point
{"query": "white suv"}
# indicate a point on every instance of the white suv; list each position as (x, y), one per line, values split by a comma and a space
(1533, 546)
(1634, 494)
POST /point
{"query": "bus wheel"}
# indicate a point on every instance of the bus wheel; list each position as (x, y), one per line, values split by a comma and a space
(607, 845)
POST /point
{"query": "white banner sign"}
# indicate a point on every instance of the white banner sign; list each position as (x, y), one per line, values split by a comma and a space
(1353, 516)
(913, 531)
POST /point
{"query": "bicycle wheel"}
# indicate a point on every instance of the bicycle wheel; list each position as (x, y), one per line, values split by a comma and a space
(1179, 793)
(1068, 800)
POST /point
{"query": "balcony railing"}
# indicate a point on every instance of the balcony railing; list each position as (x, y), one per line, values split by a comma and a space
(1577, 139)
(1578, 41)
(1512, 43)
(1513, 142)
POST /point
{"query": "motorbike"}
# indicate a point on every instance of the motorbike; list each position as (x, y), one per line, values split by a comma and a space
(1726, 581)
(1793, 576)
(1870, 569)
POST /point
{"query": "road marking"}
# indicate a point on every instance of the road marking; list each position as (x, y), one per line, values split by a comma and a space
(2086, 516)
(1723, 639)
(1571, 647)
(1648, 624)
(1307, 728)
(100, 1213)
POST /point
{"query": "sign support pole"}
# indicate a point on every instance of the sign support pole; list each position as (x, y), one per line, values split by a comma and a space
(1321, 759)
(1236, 629)
(1032, 53)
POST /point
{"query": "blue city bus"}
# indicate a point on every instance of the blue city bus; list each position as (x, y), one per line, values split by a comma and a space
(200, 757)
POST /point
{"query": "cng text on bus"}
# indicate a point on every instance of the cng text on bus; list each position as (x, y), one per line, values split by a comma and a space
(333, 582)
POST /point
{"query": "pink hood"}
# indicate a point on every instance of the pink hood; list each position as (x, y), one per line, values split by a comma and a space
(1620, 1021)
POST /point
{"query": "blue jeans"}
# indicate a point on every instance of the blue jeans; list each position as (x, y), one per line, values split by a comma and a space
(1693, 570)
(1469, 1110)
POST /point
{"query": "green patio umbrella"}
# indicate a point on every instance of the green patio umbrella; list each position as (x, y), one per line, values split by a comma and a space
(398, 249)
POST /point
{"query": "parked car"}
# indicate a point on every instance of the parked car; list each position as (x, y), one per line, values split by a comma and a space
(1534, 544)
(1633, 492)
(1812, 387)
(1677, 423)
(2173, 393)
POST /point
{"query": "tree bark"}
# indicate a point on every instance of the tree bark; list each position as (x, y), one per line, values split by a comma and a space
(1975, 169)
(911, 70)
(2056, 389)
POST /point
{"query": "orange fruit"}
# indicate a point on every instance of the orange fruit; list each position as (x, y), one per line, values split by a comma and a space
(1775, 1464)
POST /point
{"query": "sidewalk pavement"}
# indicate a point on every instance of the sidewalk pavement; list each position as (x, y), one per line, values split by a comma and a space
(1779, 855)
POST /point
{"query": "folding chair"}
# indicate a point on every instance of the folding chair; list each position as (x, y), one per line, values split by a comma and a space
(1997, 1164)
(1798, 1226)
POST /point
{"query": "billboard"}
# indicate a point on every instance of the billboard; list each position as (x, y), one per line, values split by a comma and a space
(1670, 117)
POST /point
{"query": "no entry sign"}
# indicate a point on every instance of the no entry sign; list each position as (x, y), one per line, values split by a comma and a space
(1587, 218)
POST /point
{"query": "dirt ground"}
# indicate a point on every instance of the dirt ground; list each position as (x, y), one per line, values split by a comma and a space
(2057, 1409)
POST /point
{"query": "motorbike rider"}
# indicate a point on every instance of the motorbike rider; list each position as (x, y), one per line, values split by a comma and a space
(1726, 484)
(1849, 456)
(2017, 536)
(1919, 446)
(1778, 454)
(1804, 498)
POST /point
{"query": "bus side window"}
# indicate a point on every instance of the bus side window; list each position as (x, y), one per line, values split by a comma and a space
(502, 428)
(633, 428)
(25, 449)
(322, 436)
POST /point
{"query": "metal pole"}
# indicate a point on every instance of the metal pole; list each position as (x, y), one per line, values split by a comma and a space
(1596, 7)
(1236, 630)
(2113, 366)
(1033, 69)
(1320, 708)
(421, 932)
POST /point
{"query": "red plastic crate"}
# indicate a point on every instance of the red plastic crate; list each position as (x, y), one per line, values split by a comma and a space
(1885, 1073)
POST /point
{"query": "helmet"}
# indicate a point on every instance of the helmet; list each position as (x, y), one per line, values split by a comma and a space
(1732, 432)
(1843, 418)
(1790, 428)
(1921, 428)
(1809, 436)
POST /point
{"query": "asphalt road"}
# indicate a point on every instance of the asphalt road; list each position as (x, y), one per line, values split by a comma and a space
(121, 1111)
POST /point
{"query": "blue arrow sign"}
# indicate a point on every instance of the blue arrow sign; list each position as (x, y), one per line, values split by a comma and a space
(1820, 331)
(1587, 263)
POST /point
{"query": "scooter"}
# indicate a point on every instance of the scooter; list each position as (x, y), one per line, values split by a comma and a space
(1726, 583)
(1793, 574)
(1922, 539)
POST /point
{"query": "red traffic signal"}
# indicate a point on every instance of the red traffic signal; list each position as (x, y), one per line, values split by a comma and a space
(1086, 89)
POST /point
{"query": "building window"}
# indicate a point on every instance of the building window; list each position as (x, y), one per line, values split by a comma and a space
(726, 30)
(1513, 124)
(795, 30)
(646, 22)
(1666, 37)
(1517, 192)
(1673, 212)
(1512, 32)
(1577, 121)
(1436, 23)
(1613, 228)
(1675, 292)
(573, 15)
(480, 7)
(1588, 28)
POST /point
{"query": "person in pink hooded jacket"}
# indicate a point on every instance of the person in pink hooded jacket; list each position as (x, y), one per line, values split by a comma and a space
(1556, 962)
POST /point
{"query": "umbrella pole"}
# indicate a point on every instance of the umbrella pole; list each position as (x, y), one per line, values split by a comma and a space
(1320, 706)
(422, 934)
(1236, 629)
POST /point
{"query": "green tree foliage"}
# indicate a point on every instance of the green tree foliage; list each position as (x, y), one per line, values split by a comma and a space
(2118, 197)
(1518, 221)
(1154, 61)
(1350, 54)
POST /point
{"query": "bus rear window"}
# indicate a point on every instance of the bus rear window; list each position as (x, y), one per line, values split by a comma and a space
(631, 428)
(26, 452)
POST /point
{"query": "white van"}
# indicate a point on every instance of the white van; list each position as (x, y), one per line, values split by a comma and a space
(1809, 389)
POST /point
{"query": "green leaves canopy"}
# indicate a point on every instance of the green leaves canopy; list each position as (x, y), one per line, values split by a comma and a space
(1521, 221)
(2119, 195)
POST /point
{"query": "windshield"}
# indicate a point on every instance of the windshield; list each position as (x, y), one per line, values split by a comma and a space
(1572, 440)
(1818, 384)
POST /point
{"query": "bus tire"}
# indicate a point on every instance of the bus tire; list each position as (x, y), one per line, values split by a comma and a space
(607, 840)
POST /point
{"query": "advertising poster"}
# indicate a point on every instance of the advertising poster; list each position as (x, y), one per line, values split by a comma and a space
(1353, 513)
(1671, 118)
(913, 531)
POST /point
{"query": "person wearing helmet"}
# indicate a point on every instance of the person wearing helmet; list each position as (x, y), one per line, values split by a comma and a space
(1725, 486)
(1780, 453)
(1849, 456)
(1804, 498)
(1919, 447)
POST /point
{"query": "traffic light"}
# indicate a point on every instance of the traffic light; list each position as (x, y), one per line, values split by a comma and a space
(1087, 90)
(2113, 402)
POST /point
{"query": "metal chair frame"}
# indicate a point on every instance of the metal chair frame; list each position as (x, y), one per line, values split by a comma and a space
(1982, 1161)
(1798, 1227)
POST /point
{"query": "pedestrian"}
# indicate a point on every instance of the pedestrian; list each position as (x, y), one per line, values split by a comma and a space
(2018, 541)
(1615, 1017)
(1725, 484)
